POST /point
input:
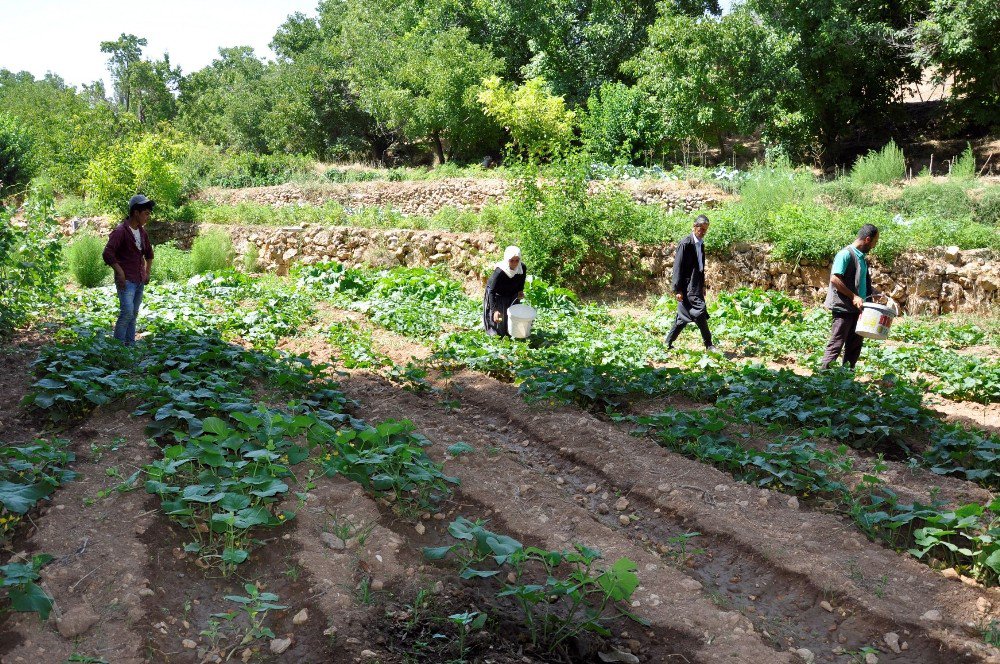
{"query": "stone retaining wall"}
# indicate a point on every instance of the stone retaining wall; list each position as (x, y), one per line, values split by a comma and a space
(937, 281)
(426, 197)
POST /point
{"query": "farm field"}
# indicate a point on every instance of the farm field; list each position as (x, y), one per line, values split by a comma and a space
(338, 466)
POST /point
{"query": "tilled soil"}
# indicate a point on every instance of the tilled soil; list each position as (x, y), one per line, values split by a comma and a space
(728, 573)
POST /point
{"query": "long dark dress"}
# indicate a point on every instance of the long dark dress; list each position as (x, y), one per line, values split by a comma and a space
(501, 292)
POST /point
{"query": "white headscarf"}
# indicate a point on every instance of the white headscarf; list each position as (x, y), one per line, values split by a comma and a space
(504, 265)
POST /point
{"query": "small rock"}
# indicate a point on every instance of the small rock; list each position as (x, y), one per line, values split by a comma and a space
(950, 573)
(933, 615)
(793, 503)
(591, 488)
(438, 588)
(301, 617)
(189, 644)
(624, 520)
(246, 654)
(146, 592)
(621, 504)
(279, 646)
(333, 541)
(369, 654)
(871, 658)
(420, 528)
(603, 508)
(76, 621)
(618, 656)
(826, 606)
(560, 481)
(806, 655)
(983, 606)
(892, 640)
(377, 585)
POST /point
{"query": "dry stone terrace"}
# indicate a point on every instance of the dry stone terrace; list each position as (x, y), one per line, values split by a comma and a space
(941, 280)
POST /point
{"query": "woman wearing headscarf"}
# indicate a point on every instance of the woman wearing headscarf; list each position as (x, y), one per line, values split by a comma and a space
(506, 286)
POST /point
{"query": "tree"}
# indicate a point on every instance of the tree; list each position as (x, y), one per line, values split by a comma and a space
(851, 56)
(712, 77)
(621, 124)
(226, 103)
(125, 54)
(17, 165)
(958, 39)
(67, 129)
(415, 77)
(538, 121)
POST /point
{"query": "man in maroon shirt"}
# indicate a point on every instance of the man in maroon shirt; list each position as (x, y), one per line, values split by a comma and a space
(130, 255)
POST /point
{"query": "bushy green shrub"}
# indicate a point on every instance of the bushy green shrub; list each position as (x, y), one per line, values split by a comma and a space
(84, 260)
(620, 124)
(964, 166)
(211, 251)
(247, 169)
(171, 263)
(251, 259)
(886, 166)
(934, 200)
(986, 207)
(145, 165)
(811, 232)
(17, 165)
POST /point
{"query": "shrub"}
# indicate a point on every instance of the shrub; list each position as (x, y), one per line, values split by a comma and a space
(84, 260)
(171, 263)
(986, 207)
(810, 232)
(17, 165)
(883, 167)
(620, 124)
(248, 169)
(964, 166)
(145, 165)
(538, 121)
(211, 251)
(251, 259)
(934, 200)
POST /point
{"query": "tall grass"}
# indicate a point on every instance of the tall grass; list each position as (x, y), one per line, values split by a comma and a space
(171, 263)
(84, 260)
(964, 166)
(211, 251)
(883, 167)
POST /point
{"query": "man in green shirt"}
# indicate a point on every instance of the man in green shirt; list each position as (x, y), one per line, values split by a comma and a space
(850, 286)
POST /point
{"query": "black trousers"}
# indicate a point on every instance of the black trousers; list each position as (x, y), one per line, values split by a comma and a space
(700, 321)
(842, 336)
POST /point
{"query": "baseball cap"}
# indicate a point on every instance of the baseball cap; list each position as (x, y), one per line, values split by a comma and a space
(138, 201)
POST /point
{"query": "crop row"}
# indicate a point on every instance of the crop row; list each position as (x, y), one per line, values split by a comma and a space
(228, 460)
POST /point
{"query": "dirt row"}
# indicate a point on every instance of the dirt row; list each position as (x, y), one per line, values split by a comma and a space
(823, 557)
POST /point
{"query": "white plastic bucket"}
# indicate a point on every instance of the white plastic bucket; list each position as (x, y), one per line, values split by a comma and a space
(519, 320)
(875, 320)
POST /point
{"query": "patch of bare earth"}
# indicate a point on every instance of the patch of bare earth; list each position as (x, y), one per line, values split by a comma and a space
(809, 561)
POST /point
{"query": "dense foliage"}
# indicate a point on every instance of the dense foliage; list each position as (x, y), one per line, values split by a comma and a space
(411, 80)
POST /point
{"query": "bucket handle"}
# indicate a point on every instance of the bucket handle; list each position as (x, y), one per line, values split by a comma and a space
(888, 301)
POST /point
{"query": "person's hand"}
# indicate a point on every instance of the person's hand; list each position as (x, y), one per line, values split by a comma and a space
(679, 296)
(858, 302)
(497, 317)
(520, 295)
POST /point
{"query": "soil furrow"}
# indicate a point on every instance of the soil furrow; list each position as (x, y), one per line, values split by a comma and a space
(821, 547)
(532, 509)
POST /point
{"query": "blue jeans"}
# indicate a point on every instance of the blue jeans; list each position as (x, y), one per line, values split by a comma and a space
(129, 299)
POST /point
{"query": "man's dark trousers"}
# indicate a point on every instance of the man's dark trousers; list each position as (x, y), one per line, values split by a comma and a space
(842, 336)
(701, 322)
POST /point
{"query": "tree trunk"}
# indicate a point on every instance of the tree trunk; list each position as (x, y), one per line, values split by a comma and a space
(438, 147)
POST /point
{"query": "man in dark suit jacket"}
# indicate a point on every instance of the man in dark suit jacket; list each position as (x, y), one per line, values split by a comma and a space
(689, 284)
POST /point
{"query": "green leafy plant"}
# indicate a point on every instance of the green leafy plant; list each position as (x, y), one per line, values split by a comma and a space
(212, 251)
(85, 262)
(253, 607)
(559, 594)
(22, 591)
(883, 167)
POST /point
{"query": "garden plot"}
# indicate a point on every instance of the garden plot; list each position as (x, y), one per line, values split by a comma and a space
(366, 494)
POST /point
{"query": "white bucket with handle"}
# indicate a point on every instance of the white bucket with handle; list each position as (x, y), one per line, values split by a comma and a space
(519, 320)
(876, 319)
